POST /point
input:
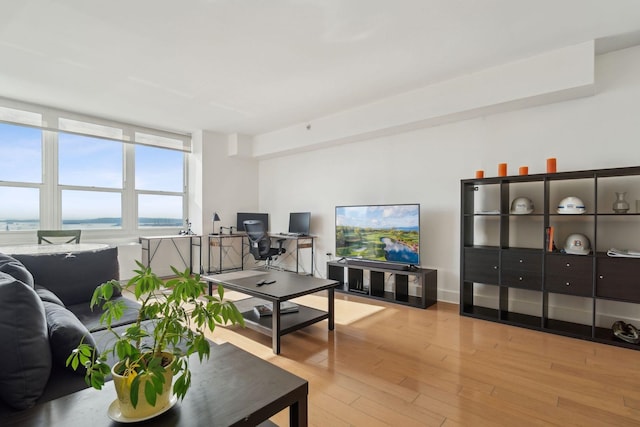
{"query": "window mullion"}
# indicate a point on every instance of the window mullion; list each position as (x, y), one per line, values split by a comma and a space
(50, 194)
(129, 197)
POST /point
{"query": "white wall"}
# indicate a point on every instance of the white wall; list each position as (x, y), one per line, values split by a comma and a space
(221, 183)
(227, 183)
(561, 74)
(426, 165)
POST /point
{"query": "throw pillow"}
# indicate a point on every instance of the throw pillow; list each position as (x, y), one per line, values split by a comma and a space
(65, 333)
(46, 295)
(16, 269)
(26, 360)
(74, 276)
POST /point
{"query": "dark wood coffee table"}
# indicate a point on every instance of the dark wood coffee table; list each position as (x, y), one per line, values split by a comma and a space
(232, 388)
(286, 286)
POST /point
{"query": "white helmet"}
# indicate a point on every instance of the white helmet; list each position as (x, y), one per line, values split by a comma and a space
(571, 205)
(577, 244)
(521, 206)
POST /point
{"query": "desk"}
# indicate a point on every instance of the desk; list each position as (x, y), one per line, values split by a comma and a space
(63, 248)
(232, 388)
(151, 244)
(301, 242)
(285, 286)
(227, 245)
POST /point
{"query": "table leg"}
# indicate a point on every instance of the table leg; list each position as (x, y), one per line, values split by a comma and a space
(331, 308)
(191, 255)
(220, 253)
(298, 416)
(275, 327)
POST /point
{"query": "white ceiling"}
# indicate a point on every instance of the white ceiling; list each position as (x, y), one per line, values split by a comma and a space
(254, 66)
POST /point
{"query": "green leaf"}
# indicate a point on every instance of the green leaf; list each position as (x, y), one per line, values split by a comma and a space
(133, 393)
(150, 393)
(108, 290)
(182, 384)
(73, 358)
(97, 380)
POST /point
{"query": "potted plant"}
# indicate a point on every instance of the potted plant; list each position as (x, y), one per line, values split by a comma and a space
(173, 318)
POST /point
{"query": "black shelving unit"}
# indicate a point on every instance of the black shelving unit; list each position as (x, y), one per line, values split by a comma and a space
(510, 274)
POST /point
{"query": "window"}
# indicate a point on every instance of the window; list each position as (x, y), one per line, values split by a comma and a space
(160, 185)
(89, 162)
(20, 177)
(21, 159)
(74, 171)
(23, 212)
(91, 209)
(159, 211)
(159, 169)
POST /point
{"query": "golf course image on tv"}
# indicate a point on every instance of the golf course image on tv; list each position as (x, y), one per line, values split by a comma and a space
(388, 233)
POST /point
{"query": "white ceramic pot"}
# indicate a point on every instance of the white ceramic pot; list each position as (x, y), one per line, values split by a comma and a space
(143, 409)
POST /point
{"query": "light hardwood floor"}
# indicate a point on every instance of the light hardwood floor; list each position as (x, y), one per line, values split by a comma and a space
(390, 365)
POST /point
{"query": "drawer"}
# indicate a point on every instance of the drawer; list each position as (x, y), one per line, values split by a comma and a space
(481, 265)
(570, 274)
(569, 265)
(568, 285)
(526, 261)
(618, 278)
(522, 279)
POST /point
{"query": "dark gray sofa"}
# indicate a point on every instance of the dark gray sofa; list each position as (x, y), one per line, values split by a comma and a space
(44, 312)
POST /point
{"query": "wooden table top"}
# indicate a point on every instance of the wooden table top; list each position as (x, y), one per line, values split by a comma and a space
(232, 388)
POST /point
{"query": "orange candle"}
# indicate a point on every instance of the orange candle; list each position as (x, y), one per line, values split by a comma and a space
(502, 169)
(524, 170)
(479, 173)
(551, 165)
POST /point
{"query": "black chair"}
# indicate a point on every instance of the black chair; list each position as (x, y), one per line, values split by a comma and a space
(58, 236)
(260, 242)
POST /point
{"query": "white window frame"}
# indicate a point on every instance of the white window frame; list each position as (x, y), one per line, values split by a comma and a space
(51, 190)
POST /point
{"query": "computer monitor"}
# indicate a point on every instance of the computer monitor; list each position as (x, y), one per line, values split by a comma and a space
(299, 222)
(245, 216)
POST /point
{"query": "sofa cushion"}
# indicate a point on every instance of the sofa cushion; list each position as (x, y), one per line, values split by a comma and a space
(91, 318)
(16, 269)
(65, 333)
(73, 276)
(26, 360)
(46, 295)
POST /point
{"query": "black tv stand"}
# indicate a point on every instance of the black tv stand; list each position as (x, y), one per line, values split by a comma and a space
(399, 283)
(379, 264)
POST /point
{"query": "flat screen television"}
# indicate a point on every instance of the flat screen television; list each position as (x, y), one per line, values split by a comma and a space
(385, 233)
(299, 223)
(241, 217)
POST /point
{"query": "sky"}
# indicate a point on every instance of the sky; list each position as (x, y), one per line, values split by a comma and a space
(381, 216)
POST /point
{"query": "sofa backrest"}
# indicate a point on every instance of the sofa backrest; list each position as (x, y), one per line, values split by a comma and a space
(73, 276)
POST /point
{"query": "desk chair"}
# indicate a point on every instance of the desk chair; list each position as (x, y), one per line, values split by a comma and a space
(59, 236)
(260, 242)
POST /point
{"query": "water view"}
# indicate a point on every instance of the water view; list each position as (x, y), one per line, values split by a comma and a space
(396, 251)
(95, 223)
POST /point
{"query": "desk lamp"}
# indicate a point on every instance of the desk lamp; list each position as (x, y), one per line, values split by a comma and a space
(214, 220)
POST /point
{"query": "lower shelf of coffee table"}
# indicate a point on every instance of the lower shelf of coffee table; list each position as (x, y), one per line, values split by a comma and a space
(289, 322)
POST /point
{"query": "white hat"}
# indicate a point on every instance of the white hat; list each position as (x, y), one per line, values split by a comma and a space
(571, 205)
(521, 206)
(577, 244)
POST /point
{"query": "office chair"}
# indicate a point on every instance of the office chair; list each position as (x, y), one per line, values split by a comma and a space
(260, 242)
(54, 236)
